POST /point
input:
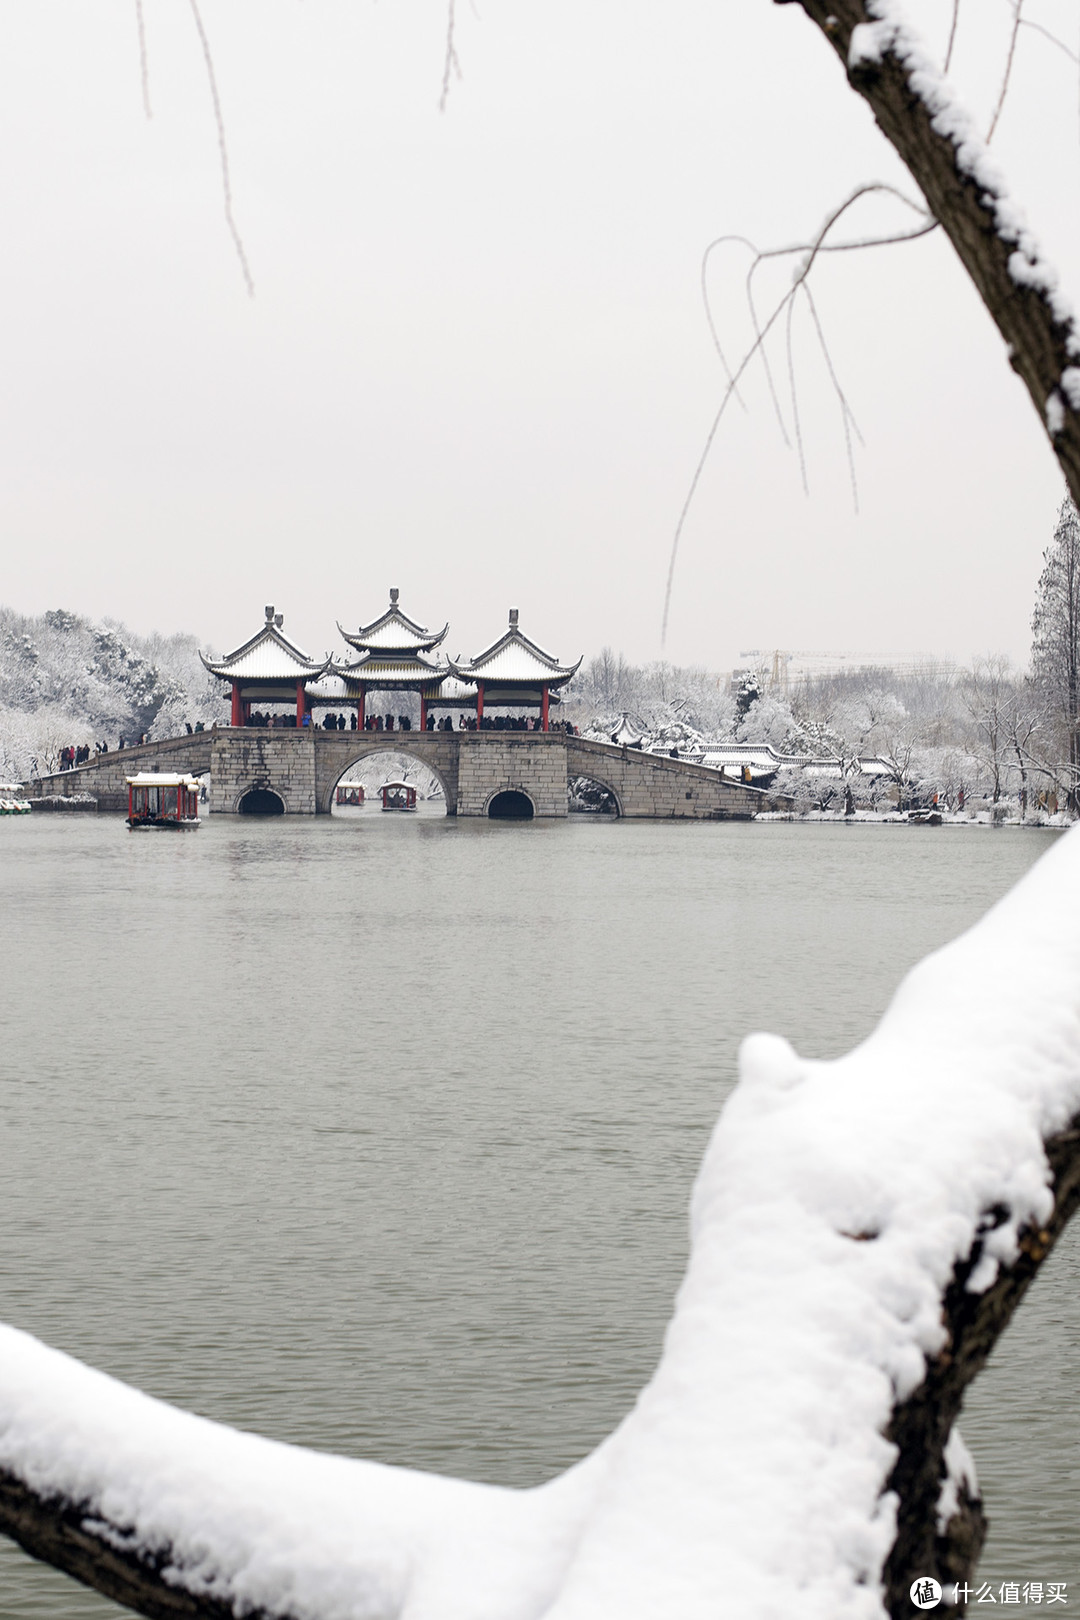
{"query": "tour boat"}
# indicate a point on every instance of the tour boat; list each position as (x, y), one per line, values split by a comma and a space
(11, 801)
(398, 796)
(162, 799)
(350, 793)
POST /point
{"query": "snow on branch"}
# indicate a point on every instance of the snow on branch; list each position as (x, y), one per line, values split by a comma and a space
(862, 1230)
(917, 110)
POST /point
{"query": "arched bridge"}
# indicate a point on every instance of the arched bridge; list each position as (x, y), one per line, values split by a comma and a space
(303, 767)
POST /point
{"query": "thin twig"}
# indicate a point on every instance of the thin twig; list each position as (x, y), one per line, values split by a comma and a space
(451, 65)
(811, 250)
(1026, 22)
(222, 148)
(795, 399)
(773, 395)
(952, 35)
(847, 416)
(144, 65)
(719, 242)
(1019, 6)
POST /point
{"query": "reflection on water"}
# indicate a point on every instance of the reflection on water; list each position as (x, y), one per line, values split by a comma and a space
(377, 1133)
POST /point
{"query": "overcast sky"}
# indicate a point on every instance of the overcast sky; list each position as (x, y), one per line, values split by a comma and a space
(477, 365)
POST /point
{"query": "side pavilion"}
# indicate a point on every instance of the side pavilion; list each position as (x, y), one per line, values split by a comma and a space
(267, 669)
(515, 673)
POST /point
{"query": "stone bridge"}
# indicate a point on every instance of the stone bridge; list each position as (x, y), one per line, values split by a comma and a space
(302, 768)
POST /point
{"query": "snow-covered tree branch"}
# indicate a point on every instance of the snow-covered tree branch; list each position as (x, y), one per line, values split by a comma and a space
(916, 110)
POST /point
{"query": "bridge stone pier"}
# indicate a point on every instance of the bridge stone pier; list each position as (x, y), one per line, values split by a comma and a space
(303, 768)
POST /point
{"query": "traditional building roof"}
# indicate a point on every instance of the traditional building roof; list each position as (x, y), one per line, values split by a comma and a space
(514, 660)
(626, 733)
(268, 656)
(451, 693)
(394, 632)
(391, 670)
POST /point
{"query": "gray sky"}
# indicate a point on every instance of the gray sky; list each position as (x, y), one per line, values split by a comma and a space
(477, 365)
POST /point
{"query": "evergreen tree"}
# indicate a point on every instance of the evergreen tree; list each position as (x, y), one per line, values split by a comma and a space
(1055, 653)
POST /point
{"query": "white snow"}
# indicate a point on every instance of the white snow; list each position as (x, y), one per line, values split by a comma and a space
(833, 1204)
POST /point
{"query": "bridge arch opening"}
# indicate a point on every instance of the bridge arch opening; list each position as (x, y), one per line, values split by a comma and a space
(260, 801)
(511, 805)
(588, 796)
(358, 790)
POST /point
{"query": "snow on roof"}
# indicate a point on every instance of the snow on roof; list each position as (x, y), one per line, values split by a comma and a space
(268, 656)
(451, 690)
(329, 689)
(373, 667)
(758, 758)
(835, 1202)
(626, 731)
(161, 779)
(515, 660)
(394, 632)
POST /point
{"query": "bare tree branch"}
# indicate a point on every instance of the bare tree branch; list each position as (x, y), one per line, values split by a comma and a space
(1018, 8)
(952, 36)
(810, 251)
(451, 65)
(222, 149)
(144, 65)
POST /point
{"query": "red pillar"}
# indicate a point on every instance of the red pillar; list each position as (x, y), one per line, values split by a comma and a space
(423, 712)
(544, 710)
(479, 703)
(300, 703)
(237, 706)
(361, 717)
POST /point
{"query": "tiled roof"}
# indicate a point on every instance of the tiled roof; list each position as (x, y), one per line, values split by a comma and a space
(514, 660)
(394, 632)
(393, 666)
(268, 656)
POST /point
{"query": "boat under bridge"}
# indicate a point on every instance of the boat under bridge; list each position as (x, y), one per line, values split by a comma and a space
(520, 774)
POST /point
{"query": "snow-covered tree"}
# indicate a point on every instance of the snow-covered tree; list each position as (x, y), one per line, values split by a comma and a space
(1055, 651)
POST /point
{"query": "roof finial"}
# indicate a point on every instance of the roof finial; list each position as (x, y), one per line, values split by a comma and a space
(279, 619)
(513, 618)
(269, 613)
(394, 594)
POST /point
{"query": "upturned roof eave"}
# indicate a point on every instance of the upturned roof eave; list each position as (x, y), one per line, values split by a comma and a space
(306, 668)
(546, 675)
(370, 667)
(423, 638)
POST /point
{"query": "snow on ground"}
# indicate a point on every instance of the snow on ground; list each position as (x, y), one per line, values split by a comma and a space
(833, 1204)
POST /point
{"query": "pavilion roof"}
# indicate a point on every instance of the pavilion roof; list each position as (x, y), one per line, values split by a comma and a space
(394, 632)
(514, 660)
(450, 690)
(330, 688)
(626, 731)
(393, 667)
(268, 656)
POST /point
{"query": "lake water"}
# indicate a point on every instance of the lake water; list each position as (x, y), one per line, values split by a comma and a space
(377, 1134)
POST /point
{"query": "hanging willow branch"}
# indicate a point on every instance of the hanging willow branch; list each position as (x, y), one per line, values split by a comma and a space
(912, 108)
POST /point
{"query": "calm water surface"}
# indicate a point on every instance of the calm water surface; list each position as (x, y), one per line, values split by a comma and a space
(378, 1134)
